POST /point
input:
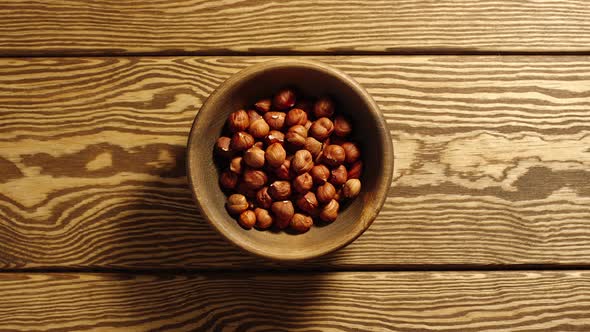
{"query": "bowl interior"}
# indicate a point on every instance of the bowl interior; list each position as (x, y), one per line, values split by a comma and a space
(311, 79)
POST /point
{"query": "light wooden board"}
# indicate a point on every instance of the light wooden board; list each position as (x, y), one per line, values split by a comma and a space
(263, 26)
(492, 162)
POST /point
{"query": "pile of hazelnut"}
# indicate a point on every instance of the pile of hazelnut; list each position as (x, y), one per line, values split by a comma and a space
(288, 163)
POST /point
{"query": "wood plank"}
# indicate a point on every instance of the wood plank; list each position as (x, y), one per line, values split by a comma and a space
(212, 27)
(369, 301)
(492, 162)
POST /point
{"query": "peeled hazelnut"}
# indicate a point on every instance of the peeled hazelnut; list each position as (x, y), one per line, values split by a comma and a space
(228, 180)
(238, 121)
(274, 136)
(263, 198)
(236, 165)
(333, 155)
(247, 219)
(259, 128)
(254, 157)
(355, 170)
(301, 223)
(263, 105)
(280, 190)
(342, 126)
(324, 107)
(254, 179)
(275, 155)
(253, 116)
(263, 218)
(276, 120)
(321, 129)
(284, 99)
(351, 188)
(283, 212)
(351, 152)
(313, 145)
(236, 204)
(296, 116)
(283, 171)
(320, 174)
(296, 136)
(325, 192)
(329, 213)
(241, 141)
(302, 162)
(308, 203)
(339, 176)
(303, 183)
(222, 147)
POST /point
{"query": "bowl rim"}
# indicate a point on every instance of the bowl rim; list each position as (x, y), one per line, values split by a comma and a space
(247, 73)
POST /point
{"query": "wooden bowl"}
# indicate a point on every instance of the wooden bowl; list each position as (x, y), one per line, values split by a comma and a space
(312, 79)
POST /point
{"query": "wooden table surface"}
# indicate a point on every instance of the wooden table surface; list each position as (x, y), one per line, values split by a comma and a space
(487, 223)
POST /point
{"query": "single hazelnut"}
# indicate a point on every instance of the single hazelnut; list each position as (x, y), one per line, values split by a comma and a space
(222, 147)
(254, 179)
(236, 165)
(236, 204)
(333, 155)
(296, 116)
(351, 188)
(320, 174)
(254, 157)
(342, 126)
(238, 121)
(325, 192)
(308, 203)
(247, 219)
(274, 136)
(339, 175)
(275, 155)
(324, 107)
(276, 120)
(302, 162)
(303, 183)
(263, 218)
(355, 170)
(301, 223)
(228, 180)
(321, 129)
(263, 198)
(313, 145)
(352, 152)
(280, 190)
(259, 128)
(283, 212)
(253, 116)
(296, 136)
(283, 171)
(329, 212)
(284, 99)
(263, 105)
(241, 141)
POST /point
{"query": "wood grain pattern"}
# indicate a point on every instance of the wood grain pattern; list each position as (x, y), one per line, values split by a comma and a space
(492, 162)
(379, 301)
(116, 27)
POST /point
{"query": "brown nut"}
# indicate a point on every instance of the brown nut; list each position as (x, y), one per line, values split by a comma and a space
(320, 174)
(284, 99)
(236, 165)
(342, 126)
(222, 147)
(259, 128)
(283, 212)
(296, 136)
(351, 188)
(313, 145)
(303, 183)
(339, 176)
(283, 171)
(355, 170)
(280, 190)
(352, 152)
(263, 105)
(263, 218)
(253, 116)
(308, 203)
(263, 198)
(276, 120)
(236, 204)
(254, 157)
(254, 179)
(325, 192)
(301, 223)
(247, 219)
(275, 155)
(324, 107)
(238, 121)
(302, 162)
(241, 141)
(228, 180)
(321, 129)
(333, 155)
(329, 212)
(296, 116)
(274, 136)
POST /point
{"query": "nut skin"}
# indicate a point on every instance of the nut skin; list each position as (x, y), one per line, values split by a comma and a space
(263, 198)
(296, 136)
(263, 105)
(323, 107)
(254, 179)
(339, 176)
(238, 121)
(275, 155)
(284, 99)
(320, 174)
(247, 219)
(325, 192)
(276, 120)
(333, 155)
(253, 116)
(254, 157)
(321, 129)
(241, 141)
(301, 223)
(283, 212)
(329, 212)
(352, 152)
(228, 180)
(308, 203)
(342, 126)
(223, 147)
(355, 170)
(351, 188)
(263, 218)
(313, 145)
(280, 190)
(303, 183)
(283, 172)
(274, 136)
(302, 162)
(236, 204)
(296, 116)
(259, 128)
(236, 165)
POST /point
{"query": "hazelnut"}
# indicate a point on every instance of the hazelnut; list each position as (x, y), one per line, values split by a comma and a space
(259, 128)
(325, 192)
(302, 162)
(283, 171)
(313, 145)
(228, 180)
(301, 223)
(321, 129)
(254, 179)
(222, 147)
(276, 120)
(236, 204)
(308, 203)
(263, 198)
(247, 219)
(342, 126)
(333, 155)
(241, 141)
(275, 155)
(284, 99)
(254, 157)
(280, 190)
(324, 107)
(238, 121)
(296, 136)
(253, 116)
(339, 176)
(351, 152)
(236, 165)
(296, 116)
(274, 136)
(355, 170)
(283, 211)
(303, 183)
(351, 188)
(329, 213)
(263, 218)
(320, 174)
(263, 105)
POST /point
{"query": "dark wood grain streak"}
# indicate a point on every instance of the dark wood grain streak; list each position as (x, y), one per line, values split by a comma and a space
(44, 27)
(492, 162)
